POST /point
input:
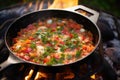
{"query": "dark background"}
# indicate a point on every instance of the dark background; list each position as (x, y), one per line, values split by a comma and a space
(110, 6)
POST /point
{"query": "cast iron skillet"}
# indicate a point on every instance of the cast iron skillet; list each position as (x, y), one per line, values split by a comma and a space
(21, 22)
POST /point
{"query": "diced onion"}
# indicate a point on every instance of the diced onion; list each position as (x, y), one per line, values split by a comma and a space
(40, 49)
(82, 30)
(18, 47)
(42, 28)
(49, 21)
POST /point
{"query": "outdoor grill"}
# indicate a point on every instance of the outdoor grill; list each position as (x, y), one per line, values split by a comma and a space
(101, 65)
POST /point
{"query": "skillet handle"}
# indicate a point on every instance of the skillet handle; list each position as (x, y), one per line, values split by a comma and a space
(83, 10)
(11, 60)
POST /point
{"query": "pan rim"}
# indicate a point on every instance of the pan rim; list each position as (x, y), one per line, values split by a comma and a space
(11, 52)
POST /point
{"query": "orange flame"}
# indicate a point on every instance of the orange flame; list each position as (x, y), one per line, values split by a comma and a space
(60, 4)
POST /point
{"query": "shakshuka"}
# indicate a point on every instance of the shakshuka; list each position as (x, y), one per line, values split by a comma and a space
(53, 41)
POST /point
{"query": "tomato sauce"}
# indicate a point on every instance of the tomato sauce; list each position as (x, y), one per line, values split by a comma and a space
(53, 41)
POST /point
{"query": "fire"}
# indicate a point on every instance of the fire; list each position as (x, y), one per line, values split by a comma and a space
(60, 4)
(40, 75)
(67, 75)
(29, 75)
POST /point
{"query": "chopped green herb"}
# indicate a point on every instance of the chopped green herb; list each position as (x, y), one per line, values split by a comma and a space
(62, 48)
(52, 61)
(44, 38)
(78, 53)
(45, 54)
(68, 56)
(49, 49)
(62, 58)
(75, 35)
(33, 45)
(38, 32)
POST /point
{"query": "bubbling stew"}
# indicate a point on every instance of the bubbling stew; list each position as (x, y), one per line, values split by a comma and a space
(53, 41)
